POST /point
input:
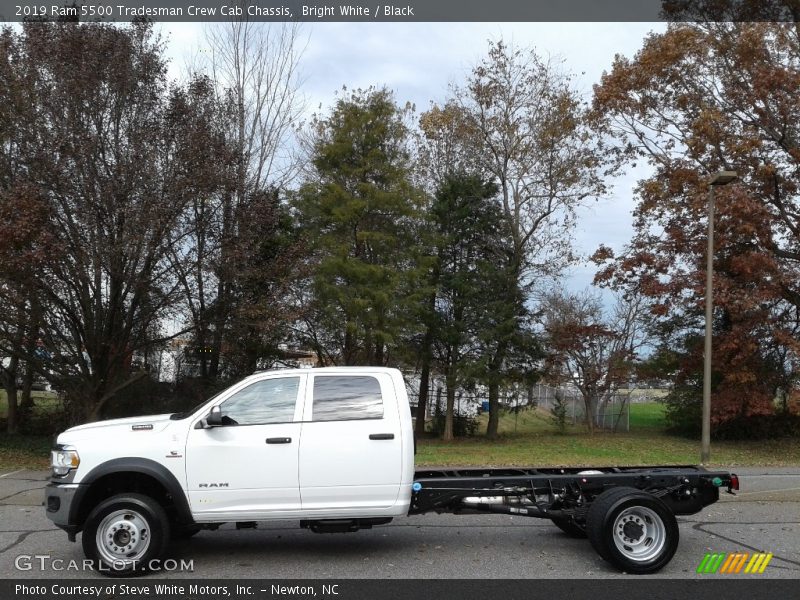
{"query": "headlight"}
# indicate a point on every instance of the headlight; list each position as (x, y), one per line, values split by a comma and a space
(64, 458)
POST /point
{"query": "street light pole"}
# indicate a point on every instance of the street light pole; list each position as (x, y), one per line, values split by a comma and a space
(720, 178)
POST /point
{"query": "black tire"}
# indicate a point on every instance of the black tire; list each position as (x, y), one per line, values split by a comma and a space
(569, 527)
(183, 532)
(136, 531)
(633, 530)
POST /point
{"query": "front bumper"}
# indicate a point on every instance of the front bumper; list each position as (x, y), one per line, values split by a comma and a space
(59, 502)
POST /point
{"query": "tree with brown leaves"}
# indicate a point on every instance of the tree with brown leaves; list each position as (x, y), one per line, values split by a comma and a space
(699, 98)
(594, 351)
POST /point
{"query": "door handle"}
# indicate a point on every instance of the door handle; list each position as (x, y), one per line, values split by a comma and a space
(381, 436)
(279, 440)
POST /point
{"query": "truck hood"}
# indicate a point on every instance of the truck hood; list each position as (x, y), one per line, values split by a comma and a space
(146, 424)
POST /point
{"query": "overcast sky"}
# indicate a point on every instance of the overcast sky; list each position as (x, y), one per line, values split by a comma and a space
(419, 60)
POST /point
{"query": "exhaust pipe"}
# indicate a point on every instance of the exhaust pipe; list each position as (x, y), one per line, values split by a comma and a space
(508, 505)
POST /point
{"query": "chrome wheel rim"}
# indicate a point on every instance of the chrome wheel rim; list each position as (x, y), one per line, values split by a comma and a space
(122, 538)
(639, 534)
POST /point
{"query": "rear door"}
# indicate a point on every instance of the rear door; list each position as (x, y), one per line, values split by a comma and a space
(350, 447)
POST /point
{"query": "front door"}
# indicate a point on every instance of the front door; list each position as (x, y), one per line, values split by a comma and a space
(248, 467)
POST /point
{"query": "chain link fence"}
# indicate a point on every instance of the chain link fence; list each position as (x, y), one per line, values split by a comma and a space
(613, 415)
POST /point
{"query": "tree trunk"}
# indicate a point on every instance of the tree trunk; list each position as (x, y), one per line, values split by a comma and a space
(26, 403)
(96, 403)
(590, 404)
(72, 398)
(201, 345)
(451, 401)
(223, 304)
(95, 414)
(12, 421)
(494, 410)
(369, 346)
(347, 351)
(26, 406)
(422, 398)
(252, 352)
(216, 351)
(494, 391)
(425, 375)
(9, 380)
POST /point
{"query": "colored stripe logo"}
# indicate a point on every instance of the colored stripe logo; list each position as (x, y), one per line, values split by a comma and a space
(734, 563)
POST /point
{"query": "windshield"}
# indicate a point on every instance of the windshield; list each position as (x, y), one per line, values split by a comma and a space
(187, 413)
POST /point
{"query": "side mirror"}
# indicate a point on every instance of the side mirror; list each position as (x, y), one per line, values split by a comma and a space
(214, 418)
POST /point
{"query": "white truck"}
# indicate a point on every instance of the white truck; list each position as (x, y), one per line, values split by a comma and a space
(334, 449)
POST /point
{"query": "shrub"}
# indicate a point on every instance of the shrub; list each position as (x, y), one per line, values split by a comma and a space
(758, 427)
(559, 412)
(684, 413)
(463, 425)
(684, 410)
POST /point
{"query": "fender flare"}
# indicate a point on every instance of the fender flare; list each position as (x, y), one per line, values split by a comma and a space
(144, 466)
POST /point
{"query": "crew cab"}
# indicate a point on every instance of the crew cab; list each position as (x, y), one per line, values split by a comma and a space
(334, 449)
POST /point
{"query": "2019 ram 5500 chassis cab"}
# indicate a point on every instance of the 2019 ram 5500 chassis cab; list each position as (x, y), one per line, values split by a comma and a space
(334, 449)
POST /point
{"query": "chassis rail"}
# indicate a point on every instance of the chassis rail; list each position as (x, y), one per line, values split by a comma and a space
(562, 493)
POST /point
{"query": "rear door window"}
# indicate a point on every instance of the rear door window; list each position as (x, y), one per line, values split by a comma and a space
(346, 398)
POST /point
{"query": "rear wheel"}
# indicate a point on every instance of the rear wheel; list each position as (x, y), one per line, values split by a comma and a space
(633, 530)
(569, 527)
(124, 533)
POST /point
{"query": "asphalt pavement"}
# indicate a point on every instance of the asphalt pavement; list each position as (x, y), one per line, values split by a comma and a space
(763, 517)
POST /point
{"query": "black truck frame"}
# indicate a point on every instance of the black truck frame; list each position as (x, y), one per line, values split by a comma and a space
(628, 513)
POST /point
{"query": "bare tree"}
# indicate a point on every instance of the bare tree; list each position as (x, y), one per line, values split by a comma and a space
(254, 68)
(526, 126)
(255, 65)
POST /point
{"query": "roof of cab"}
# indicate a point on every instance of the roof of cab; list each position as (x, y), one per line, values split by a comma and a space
(325, 370)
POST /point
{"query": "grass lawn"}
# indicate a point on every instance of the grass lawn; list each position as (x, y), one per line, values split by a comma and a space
(649, 414)
(602, 449)
(47, 400)
(27, 451)
(530, 439)
(24, 452)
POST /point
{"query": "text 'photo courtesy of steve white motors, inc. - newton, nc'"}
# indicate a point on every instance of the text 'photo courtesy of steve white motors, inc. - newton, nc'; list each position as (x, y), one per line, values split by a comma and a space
(193, 590)
(110, 11)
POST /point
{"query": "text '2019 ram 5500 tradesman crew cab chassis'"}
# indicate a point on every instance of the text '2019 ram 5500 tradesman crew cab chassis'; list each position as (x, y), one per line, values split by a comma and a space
(334, 449)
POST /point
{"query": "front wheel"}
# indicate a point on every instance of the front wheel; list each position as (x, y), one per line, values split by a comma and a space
(124, 533)
(633, 530)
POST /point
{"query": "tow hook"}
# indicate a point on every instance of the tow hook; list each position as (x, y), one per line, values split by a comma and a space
(733, 484)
